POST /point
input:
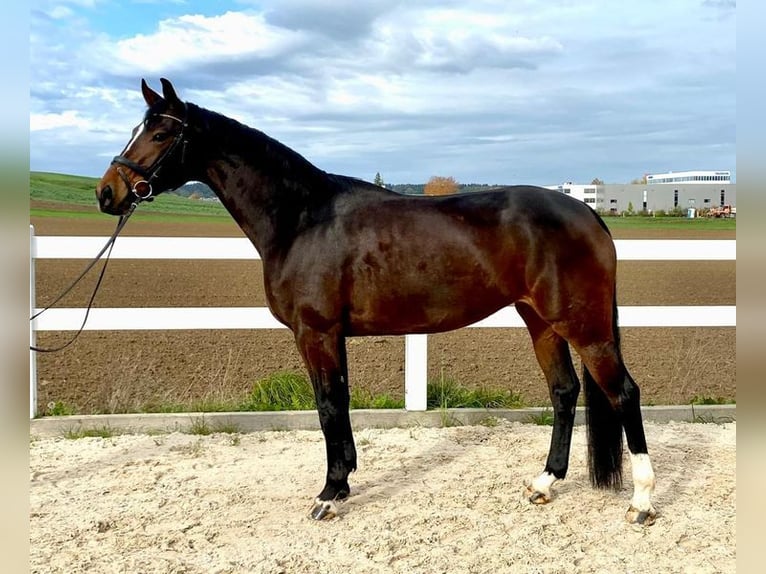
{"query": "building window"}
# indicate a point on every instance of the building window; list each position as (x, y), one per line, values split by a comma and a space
(675, 198)
(590, 190)
(723, 197)
(705, 201)
(590, 200)
(613, 201)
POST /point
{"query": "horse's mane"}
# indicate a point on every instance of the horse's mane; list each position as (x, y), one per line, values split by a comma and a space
(271, 154)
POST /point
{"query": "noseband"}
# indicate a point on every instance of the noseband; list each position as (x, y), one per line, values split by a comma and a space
(142, 189)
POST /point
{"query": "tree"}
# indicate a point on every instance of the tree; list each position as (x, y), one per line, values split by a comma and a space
(597, 181)
(639, 180)
(378, 180)
(439, 185)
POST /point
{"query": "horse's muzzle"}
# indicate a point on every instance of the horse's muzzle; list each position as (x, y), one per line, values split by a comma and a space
(106, 202)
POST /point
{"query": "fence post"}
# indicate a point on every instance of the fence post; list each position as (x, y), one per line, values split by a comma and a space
(415, 372)
(32, 337)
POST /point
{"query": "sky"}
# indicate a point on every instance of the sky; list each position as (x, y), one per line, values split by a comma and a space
(487, 91)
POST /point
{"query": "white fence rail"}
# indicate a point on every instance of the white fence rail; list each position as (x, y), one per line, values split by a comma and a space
(416, 346)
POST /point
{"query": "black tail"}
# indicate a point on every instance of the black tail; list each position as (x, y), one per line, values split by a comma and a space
(604, 430)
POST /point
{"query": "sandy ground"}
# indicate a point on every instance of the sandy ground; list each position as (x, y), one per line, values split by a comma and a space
(423, 500)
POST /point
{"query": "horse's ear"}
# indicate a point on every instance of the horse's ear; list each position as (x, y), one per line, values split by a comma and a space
(169, 92)
(150, 96)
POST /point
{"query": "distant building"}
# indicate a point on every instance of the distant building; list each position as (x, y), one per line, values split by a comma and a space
(668, 197)
(591, 194)
(654, 196)
(689, 177)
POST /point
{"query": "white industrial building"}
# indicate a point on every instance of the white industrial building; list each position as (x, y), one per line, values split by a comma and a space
(672, 191)
(689, 177)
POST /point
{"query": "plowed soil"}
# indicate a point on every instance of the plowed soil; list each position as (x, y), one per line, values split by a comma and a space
(125, 371)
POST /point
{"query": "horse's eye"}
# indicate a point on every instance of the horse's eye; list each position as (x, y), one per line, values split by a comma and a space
(160, 136)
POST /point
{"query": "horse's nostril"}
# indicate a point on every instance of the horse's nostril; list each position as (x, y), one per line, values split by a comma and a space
(106, 195)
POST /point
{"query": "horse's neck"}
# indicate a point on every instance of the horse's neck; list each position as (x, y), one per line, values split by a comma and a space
(265, 186)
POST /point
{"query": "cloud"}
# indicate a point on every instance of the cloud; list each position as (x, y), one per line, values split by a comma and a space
(535, 92)
(69, 118)
(195, 40)
(340, 20)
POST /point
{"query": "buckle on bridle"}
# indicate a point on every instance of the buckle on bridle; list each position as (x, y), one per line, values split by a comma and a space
(142, 189)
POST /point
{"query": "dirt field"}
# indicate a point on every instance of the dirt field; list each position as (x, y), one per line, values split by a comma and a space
(127, 371)
(222, 504)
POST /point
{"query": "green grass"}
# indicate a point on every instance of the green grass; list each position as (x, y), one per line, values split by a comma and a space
(71, 191)
(361, 399)
(666, 223)
(59, 409)
(447, 393)
(98, 432)
(283, 391)
(705, 400)
(200, 426)
(544, 418)
(291, 391)
(288, 391)
(67, 189)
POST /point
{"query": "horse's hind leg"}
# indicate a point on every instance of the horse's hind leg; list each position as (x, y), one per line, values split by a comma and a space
(325, 358)
(553, 354)
(613, 403)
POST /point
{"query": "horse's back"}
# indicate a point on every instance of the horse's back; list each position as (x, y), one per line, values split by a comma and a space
(524, 224)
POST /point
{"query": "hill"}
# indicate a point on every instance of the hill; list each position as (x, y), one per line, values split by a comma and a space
(55, 192)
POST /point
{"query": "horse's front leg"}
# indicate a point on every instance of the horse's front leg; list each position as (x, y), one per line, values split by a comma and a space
(325, 358)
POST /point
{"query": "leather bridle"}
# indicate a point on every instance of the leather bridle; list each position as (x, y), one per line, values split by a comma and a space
(142, 189)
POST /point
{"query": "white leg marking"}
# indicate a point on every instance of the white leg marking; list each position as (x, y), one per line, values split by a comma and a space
(643, 482)
(543, 483)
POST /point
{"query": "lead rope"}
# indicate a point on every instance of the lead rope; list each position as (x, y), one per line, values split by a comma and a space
(108, 249)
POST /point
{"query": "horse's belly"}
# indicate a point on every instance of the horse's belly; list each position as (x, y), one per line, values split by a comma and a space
(434, 309)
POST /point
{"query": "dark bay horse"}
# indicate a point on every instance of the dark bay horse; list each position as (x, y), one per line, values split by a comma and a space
(345, 258)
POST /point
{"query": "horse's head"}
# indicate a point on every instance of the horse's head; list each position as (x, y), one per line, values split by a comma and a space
(153, 160)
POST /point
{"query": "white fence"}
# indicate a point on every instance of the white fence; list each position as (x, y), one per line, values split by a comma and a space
(416, 346)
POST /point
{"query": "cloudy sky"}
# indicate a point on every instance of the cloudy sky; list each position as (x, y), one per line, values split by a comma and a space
(487, 91)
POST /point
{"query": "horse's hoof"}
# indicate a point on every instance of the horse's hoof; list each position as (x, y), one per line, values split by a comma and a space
(537, 497)
(323, 509)
(640, 517)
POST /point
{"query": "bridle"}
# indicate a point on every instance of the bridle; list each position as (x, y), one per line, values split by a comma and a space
(142, 189)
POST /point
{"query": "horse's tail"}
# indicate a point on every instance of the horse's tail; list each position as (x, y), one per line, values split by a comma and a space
(604, 428)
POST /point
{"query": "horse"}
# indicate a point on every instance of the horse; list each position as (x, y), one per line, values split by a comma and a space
(346, 258)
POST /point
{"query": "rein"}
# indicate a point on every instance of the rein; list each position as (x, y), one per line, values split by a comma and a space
(108, 249)
(142, 190)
